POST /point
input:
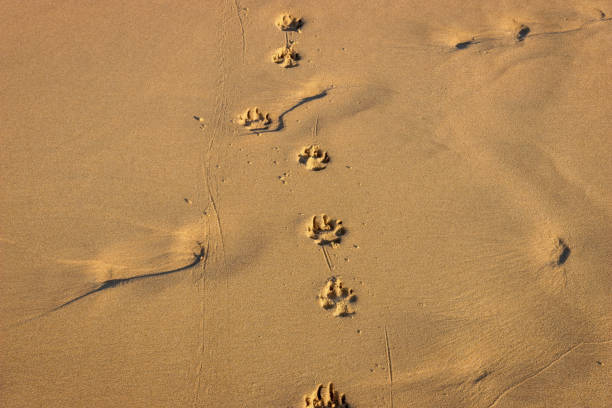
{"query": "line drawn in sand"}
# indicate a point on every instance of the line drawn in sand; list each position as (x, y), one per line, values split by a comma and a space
(388, 350)
(280, 122)
(112, 283)
(522, 31)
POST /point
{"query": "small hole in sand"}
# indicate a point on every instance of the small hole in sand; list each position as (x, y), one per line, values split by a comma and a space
(523, 32)
(463, 45)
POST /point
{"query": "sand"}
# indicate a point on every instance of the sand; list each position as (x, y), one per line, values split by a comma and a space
(410, 200)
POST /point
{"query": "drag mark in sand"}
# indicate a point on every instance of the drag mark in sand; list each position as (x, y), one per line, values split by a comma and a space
(237, 5)
(201, 284)
(522, 31)
(541, 370)
(327, 259)
(281, 124)
(388, 349)
(112, 283)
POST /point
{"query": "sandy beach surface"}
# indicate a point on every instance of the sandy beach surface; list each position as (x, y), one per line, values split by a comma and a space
(231, 203)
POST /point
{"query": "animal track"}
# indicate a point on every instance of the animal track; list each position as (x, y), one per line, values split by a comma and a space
(286, 56)
(335, 296)
(325, 231)
(313, 157)
(328, 399)
(286, 22)
(253, 118)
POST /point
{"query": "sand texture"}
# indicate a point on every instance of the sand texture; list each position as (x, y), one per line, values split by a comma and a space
(302, 204)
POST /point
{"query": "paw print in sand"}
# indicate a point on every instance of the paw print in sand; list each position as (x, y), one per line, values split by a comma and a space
(253, 118)
(325, 231)
(313, 157)
(286, 56)
(335, 296)
(286, 22)
(325, 398)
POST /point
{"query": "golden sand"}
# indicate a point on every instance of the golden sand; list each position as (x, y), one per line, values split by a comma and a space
(164, 242)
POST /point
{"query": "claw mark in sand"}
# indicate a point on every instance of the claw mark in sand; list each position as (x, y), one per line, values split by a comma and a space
(328, 261)
(112, 283)
(390, 366)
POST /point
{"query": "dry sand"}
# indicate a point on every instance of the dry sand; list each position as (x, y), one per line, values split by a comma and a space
(157, 252)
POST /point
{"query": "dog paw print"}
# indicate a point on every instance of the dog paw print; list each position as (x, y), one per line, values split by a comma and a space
(253, 118)
(286, 22)
(336, 296)
(325, 397)
(286, 56)
(325, 231)
(313, 157)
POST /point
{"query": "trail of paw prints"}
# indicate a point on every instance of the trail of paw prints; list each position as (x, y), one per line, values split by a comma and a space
(286, 56)
(254, 119)
(335, 296)
(325, 231)
(313, 158)
(325, 397)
